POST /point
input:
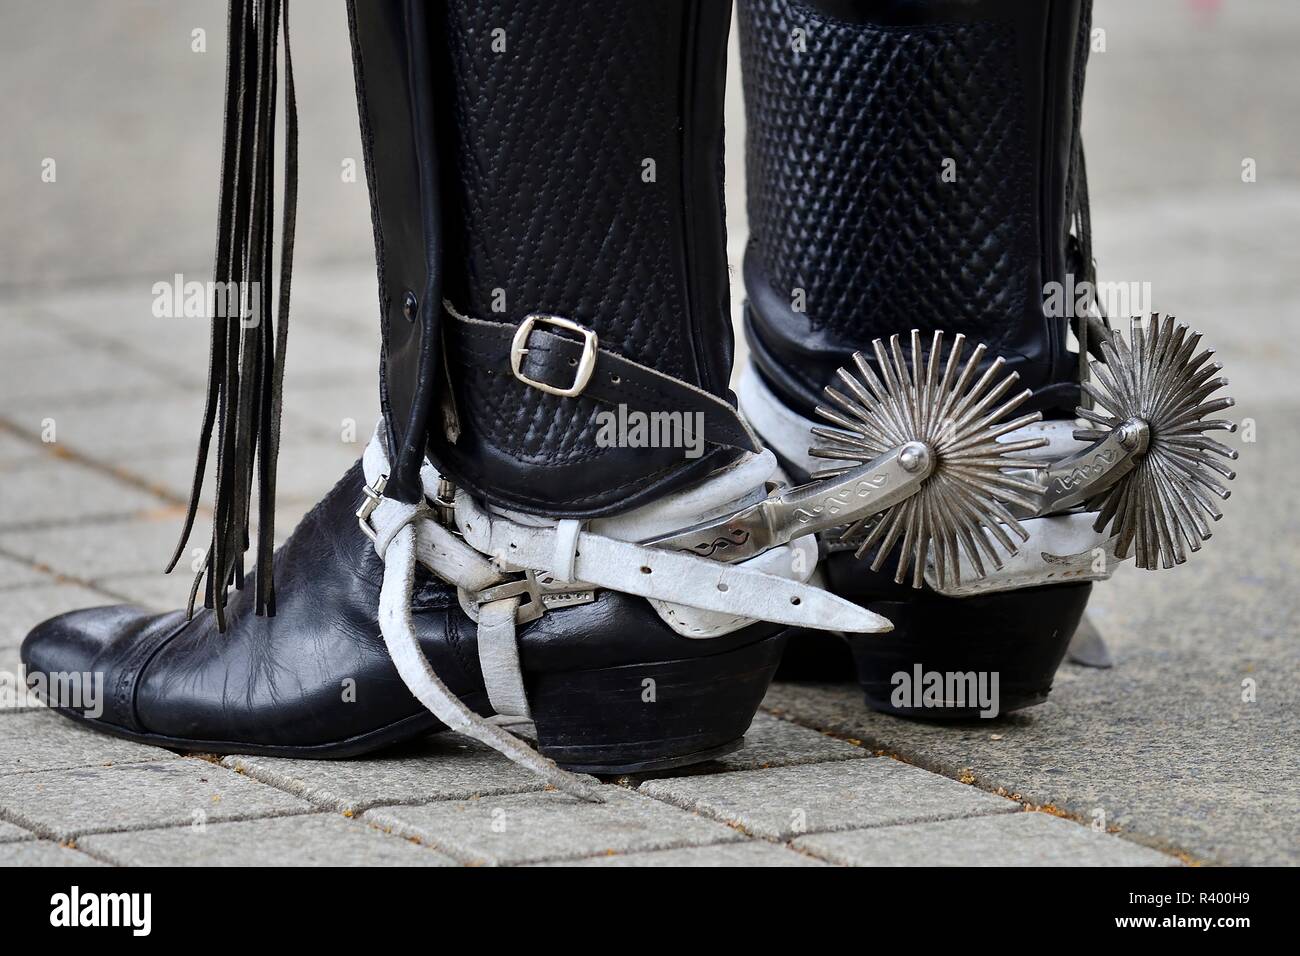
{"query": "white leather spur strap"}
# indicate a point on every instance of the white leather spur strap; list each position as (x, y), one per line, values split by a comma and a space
(670, 576)
(498, 656)
(1061, 548)
(510, 569)
(397, 528)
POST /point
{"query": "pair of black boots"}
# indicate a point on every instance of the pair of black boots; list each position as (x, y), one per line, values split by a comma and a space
(562, 517)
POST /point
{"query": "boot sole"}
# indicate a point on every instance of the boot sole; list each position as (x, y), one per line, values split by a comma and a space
(603, 721)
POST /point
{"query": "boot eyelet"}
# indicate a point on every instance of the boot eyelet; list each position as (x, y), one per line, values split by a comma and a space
(410, 306)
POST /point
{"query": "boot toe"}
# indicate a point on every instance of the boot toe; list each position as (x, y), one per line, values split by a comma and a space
(61, 647)
(70, 660)
(75, 641)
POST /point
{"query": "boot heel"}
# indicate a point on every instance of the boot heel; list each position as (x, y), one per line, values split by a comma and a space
(1019, 636)
(652, 716)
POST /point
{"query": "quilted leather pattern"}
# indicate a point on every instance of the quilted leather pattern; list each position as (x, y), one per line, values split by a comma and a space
(846, 146)
(542, 157)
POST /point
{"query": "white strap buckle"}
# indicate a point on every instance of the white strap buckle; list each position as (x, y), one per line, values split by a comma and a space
(374, 495)
(525, 588)
(586, 365)
(538, 592)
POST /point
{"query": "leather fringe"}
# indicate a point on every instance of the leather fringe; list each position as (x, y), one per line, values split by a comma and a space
(248, 339)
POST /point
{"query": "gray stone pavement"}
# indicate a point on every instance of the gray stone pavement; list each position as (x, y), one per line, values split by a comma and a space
(1155, 762)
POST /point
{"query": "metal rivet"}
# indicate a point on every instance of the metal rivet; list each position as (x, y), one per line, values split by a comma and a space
(410, 306)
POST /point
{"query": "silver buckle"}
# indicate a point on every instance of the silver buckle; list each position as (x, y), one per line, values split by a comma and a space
(586, 365)
(373, 497)
(444, 504)
(530, 605)
(537, 594)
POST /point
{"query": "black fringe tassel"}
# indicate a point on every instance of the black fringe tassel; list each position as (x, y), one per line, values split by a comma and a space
(246, 362)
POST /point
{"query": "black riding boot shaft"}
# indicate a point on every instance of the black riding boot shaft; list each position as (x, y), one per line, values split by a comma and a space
(561, 159)
(915, 165)
(909, 166)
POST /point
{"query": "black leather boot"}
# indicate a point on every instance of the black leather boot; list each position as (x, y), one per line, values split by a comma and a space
(546, 193)
(915, 165)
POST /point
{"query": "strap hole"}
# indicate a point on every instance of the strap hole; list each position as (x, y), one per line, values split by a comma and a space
(573, 363)
(614, 379)
(722, 586)
(645, 569)
(513, 546)
(795, 600)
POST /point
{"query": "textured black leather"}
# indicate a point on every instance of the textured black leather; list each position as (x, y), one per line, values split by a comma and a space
(846, 150)
(315, 678)
(542, 150)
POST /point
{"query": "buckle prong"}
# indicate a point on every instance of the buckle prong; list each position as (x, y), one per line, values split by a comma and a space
(586, 364)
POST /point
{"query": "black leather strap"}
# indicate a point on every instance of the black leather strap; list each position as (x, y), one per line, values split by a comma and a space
(553, 358)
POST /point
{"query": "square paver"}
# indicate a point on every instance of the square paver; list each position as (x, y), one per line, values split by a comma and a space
(177, 348)
(322, 839)
(772, 742)
(155, 590)
(441, 767)
(323, 410)
(43, 853)
(112, 429)
(745, 853)
(11, 834)
(117, 317)
(530, 827)
(784, 802)
(342, 298)
(17, 451)
(769, 742)
(67, 492)
(306, 470)
(139, 545)
(74, 371)
(36, 740)
(29, 331)
(66, 803)
(1012, 839)
(19, 574)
